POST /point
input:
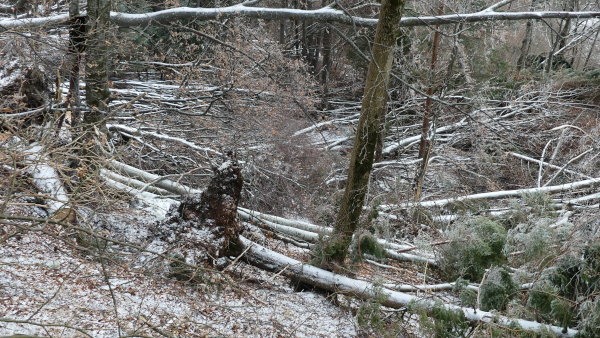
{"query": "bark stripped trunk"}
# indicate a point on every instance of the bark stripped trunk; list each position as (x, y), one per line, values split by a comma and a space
(369, 127)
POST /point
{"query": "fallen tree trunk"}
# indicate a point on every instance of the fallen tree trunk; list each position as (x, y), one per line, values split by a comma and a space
(493, 195)
(325, 14)
(46, 179)
(313, 227)
(266, 259)
(533, 160)
(152, 179)
(155, 204)
(133, 183)
(397, 144)
(287, 227)
(158, 136)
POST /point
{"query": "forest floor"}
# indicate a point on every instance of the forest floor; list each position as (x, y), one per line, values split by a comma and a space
(56, 281)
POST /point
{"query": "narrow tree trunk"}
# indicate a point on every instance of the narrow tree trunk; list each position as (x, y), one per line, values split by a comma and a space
(282, 25)
(561, 37)
(96, 88)
(326, 68)
(526, 43)
(96, 81)
(427, 130)
(369, 127)
(76, 49)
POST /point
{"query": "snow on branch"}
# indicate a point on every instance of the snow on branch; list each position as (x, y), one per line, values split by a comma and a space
(155, 180)
(325, 14)
(138, 132)
(271, 260)
(46, 179)
(495, 195)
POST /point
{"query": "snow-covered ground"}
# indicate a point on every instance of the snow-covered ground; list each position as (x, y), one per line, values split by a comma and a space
(58, 291)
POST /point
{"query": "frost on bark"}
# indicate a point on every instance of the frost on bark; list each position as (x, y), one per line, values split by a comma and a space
(205, 227)
(369, 127)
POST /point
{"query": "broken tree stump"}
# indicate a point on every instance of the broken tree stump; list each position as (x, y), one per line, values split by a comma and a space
(23, 87)
(205, 227)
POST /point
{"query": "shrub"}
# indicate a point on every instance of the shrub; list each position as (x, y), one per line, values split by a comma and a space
(365, 243)
(441, 322)
(590, 318)
(497, 289)
(534, 242)
(476, 245)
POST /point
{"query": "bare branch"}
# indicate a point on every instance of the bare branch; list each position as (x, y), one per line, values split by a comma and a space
(325, 14)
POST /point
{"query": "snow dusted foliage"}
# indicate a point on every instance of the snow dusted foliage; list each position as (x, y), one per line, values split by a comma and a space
(205, 227)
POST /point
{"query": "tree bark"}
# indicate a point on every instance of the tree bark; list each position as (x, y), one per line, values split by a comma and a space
(369, 127)
(76, 48)
(125, 20)
(96, 87)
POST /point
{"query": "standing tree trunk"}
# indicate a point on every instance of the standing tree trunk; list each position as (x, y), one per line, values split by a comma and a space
(96, 86)
(369, 127)
(282, 26)
(526, 43)
(77, 31)
(326, 68)
(427, 129)
(96, 81)
(561, 38)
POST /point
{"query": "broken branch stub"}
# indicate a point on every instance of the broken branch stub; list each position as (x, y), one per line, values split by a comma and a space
(205, 227)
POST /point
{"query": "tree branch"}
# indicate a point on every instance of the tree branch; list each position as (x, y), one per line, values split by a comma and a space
(325, 14)
(270, 260)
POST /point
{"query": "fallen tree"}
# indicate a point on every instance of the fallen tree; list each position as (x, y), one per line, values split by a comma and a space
(275, 262)
(298, 229)
(325, 14)
(45, 178)
(264, 258)
(493, 195)
(205, 227)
